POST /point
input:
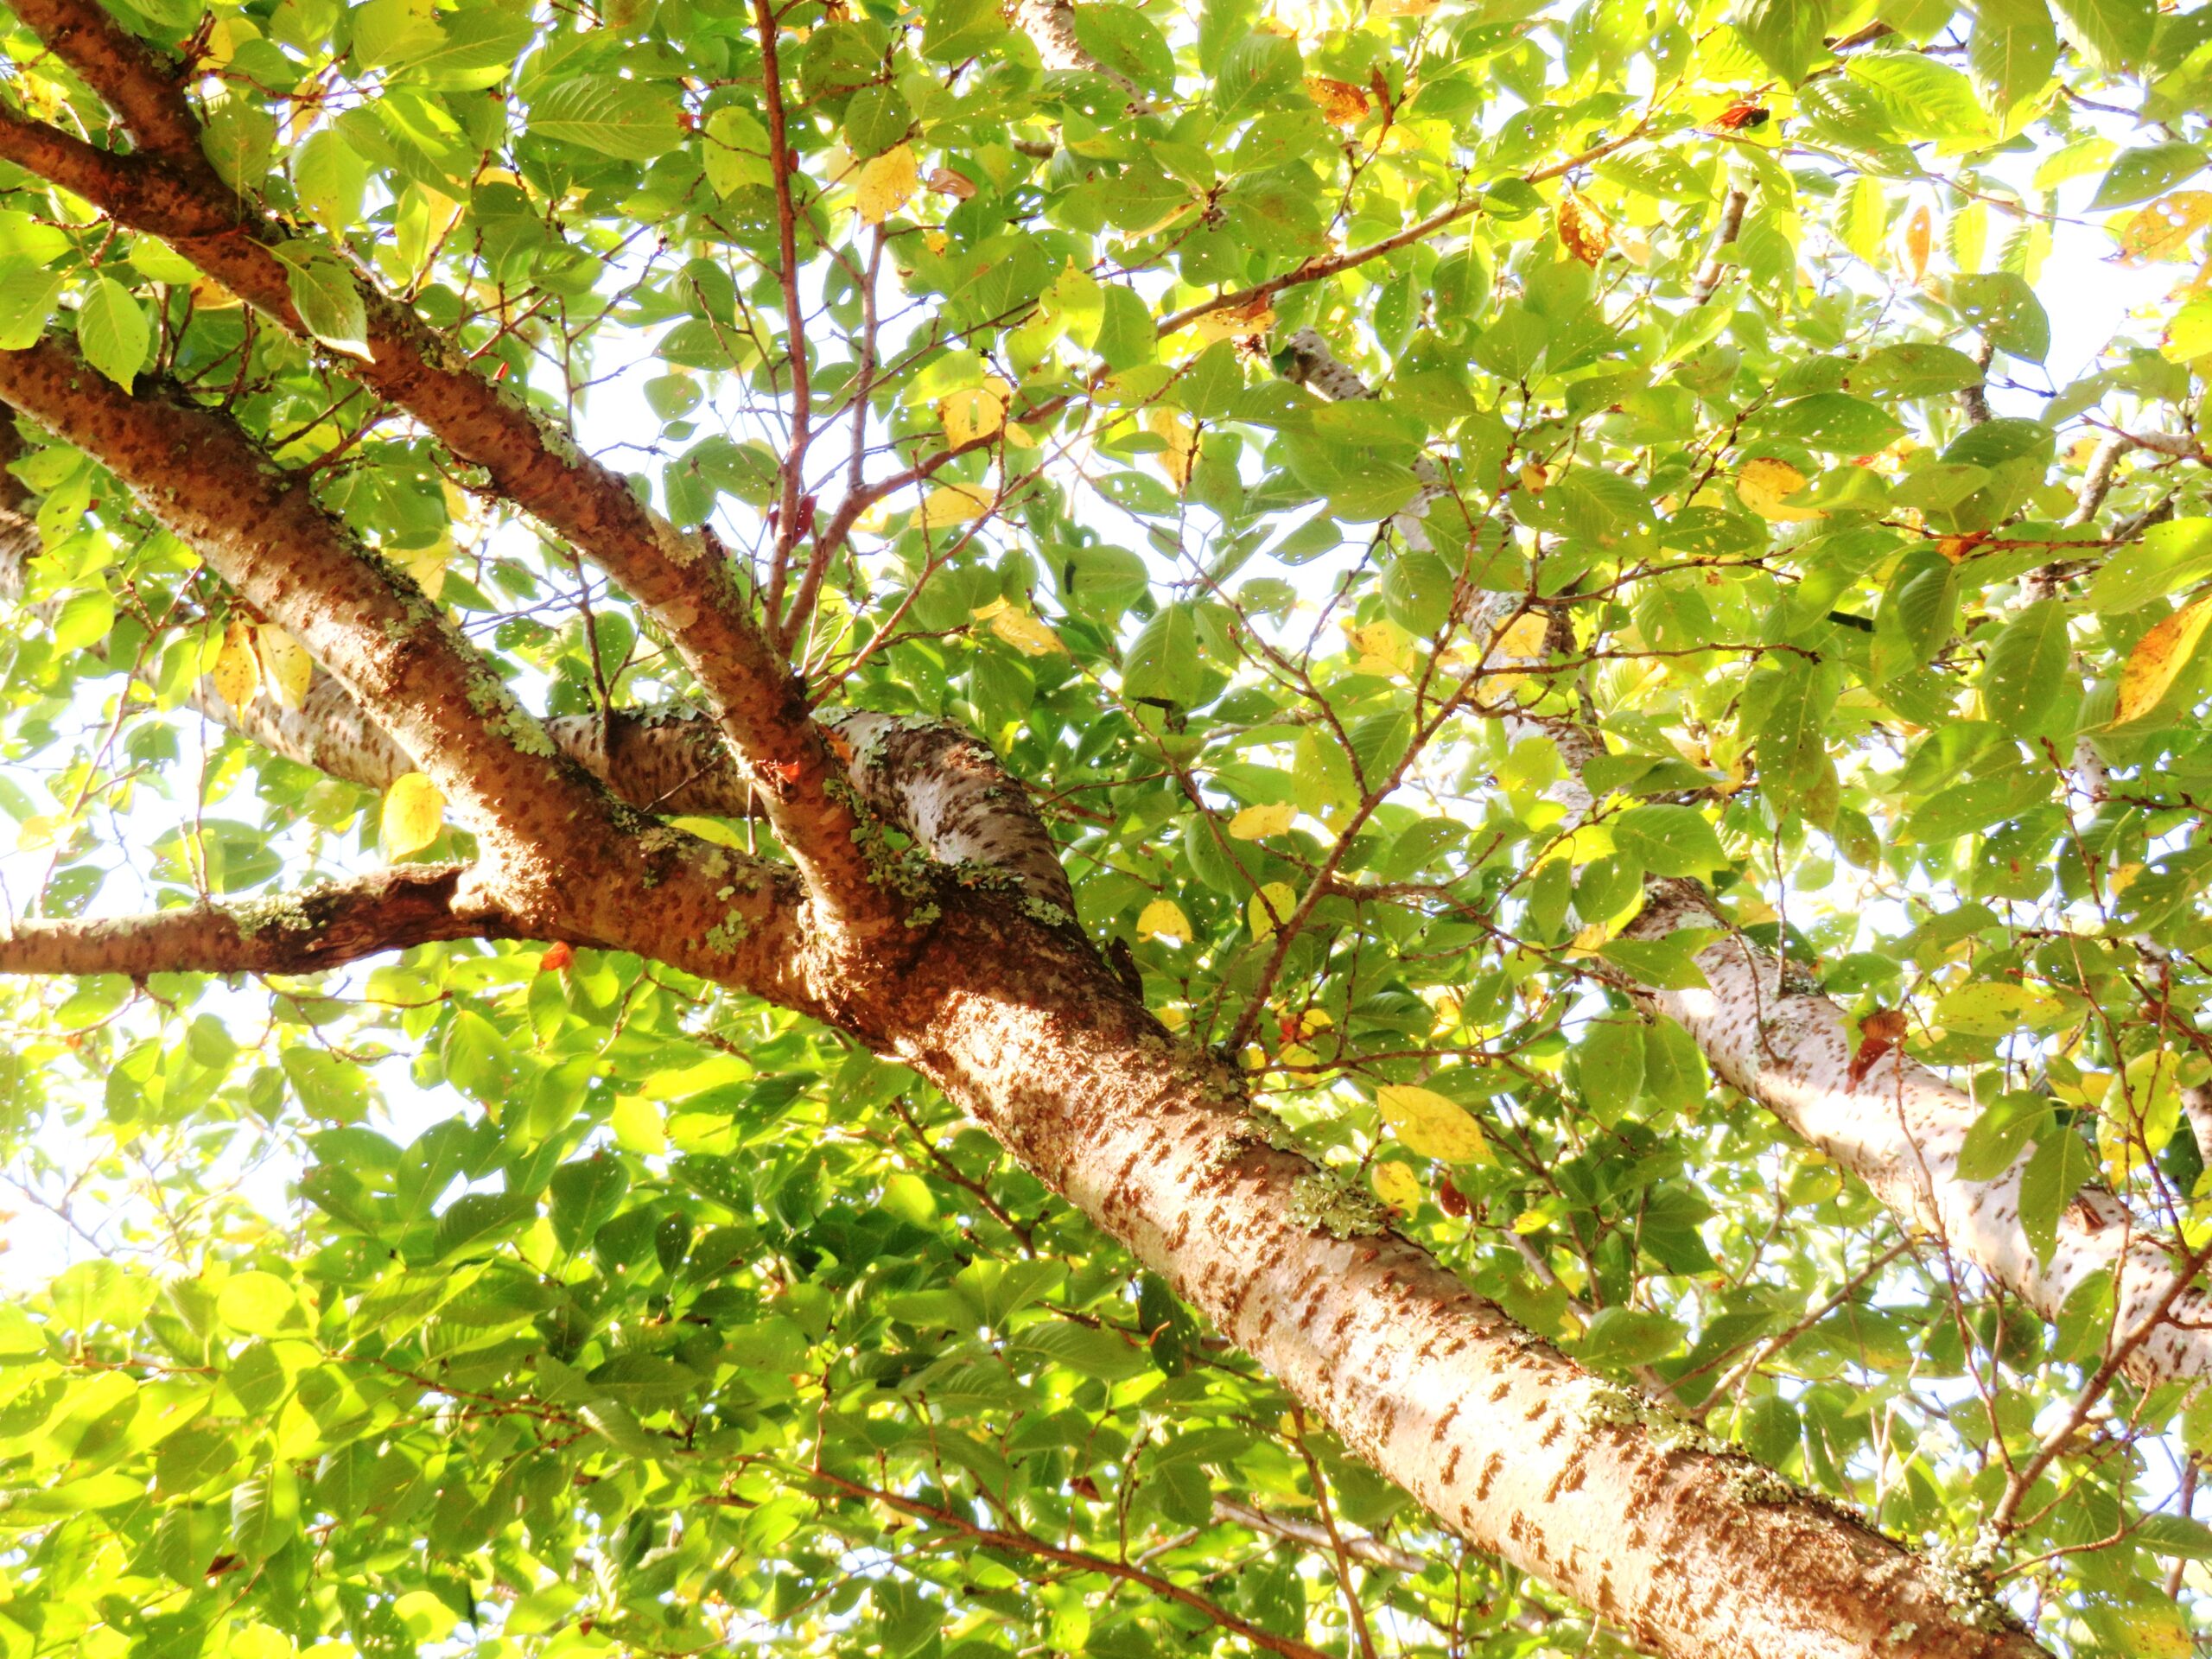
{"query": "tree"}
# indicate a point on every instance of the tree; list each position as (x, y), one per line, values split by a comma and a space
(1366, 830)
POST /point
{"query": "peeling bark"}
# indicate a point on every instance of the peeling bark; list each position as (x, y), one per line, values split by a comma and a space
(1050, 25)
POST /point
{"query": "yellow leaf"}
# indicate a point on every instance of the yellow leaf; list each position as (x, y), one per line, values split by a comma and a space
(1173, 428)
(1761, 485)
(1396, 1186)
(975, 411)
(1313, 1020)
(1174, 1017)
(1164, 919)
(428, 566)
(1258, 823)
(951, 504)
(1272, 904)
(2161, 230)
(886, 184)
(414, 812)
(285, 666)
(1402, 8)
(1530, 1221)
(2158, 660)
(1380, 647)
(1026, 633)
(208, 294)
(638, 1127)
(1431, 1125)
(238, 673)
(1233, 322)
(1525, 638)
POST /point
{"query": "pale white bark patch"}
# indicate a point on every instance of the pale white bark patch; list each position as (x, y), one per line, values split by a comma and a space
(1899, 1128)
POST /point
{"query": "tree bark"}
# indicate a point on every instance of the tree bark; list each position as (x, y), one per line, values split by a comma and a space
(305, 932)
(1899, 1128)
(1691, 1548)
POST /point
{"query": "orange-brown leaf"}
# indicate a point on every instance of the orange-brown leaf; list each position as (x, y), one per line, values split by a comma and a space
(1919, 238)
(1341, 103)
(1583, 231)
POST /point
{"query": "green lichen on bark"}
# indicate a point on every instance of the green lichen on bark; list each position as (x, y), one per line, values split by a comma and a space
(1961, 1570)
(1334, 1202)
(285, 914)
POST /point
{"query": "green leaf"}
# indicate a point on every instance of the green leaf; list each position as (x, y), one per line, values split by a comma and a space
(1126, 335)
(327, 297)
(1162, 661)
(1667, 963)
(584, 1194)
(477, 1218)
(330, 177)
(2114, 34)
(735, 153)
(2026, 668)
(112, 330)
(1993, 1145)
(27, 300)
(2061, 1163)
(2166, 558)
(603, 115)
(1669, 839)
(2013, 50)
(2146, 171)
(1916, 369)
(2002, 305)
(238, 136)
(1787, 35)
(1622, 1337)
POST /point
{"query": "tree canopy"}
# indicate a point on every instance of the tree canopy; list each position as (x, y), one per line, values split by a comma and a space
(941, 829)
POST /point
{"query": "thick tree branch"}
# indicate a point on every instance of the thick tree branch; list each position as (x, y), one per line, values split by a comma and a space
(1696, 1552)
(295, 933)
(1899, 1127)
(683, 580)
(168, 204)
(260, 529)
(133, 80)
(538, 817)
